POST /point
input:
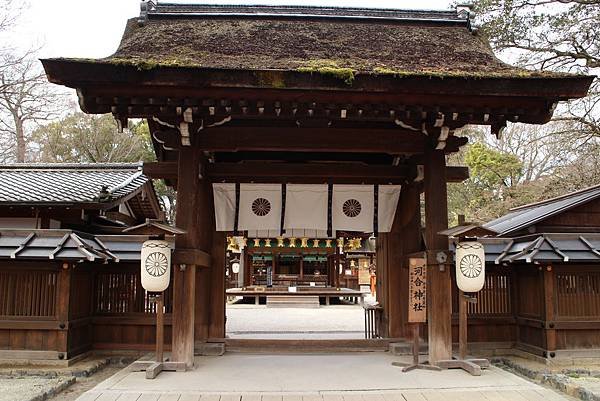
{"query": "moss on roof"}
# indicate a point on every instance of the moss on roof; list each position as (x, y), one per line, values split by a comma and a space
(341, 49)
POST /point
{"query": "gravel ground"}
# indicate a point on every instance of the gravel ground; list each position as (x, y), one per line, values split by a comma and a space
(27, 387)
(84, 384)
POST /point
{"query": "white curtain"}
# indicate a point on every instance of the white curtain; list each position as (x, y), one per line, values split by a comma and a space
(388, 203)
(260, 206)
(306, 207)
(224, 196)
(352, 208)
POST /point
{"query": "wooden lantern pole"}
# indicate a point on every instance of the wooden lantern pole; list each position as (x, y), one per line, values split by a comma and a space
(160, 327)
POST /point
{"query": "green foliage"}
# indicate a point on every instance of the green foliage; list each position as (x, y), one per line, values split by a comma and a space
(84, 138)
(491, 168)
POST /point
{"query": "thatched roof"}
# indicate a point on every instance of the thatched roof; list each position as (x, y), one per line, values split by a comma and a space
(329, 40)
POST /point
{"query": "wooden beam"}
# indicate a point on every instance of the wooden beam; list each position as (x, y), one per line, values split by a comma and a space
(439, 306)
(234, 139)
(321, 172)
(157, 170)
(191, 257)
(303, 172)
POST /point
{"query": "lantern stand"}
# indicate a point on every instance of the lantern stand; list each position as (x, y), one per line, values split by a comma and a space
(416, 320)
(471, 365)
(407, 367)
(153, 368)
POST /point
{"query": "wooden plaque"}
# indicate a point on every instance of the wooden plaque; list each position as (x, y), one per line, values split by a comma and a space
(417, 290)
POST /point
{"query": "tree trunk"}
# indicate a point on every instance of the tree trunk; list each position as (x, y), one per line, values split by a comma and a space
(20, 134)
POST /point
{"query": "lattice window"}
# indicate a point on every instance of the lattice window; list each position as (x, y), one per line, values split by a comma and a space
(494, 299)
(28, 293)
(122, 293)
(578, 294)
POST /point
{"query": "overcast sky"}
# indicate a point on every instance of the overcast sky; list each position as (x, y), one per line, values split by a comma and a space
(93, 28)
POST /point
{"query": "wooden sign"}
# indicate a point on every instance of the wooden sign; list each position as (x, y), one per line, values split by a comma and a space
(417, 289)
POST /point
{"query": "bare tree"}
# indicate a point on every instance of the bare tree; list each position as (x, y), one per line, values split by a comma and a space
(26, 98)
(556, 35)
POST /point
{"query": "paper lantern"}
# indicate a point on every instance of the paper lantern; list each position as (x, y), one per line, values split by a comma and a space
(235, 267)
(470, 266)
(156, 265)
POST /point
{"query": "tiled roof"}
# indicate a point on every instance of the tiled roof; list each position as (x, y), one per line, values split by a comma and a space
(69, 245)
(32, 184)
(543, 248)
(525, 216)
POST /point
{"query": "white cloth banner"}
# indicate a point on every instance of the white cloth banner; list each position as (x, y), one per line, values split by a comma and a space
(260, 206)
(224, 197)
(352, 208)
(306, 207)
(387, 205)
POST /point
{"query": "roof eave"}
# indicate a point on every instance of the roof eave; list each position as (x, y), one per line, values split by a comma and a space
(81, 73)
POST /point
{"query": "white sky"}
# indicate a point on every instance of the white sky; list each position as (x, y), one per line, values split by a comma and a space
(93, 28)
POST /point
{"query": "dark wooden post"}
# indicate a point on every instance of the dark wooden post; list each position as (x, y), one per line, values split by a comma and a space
(216, 328)
(160, 328)
(549, 315)
(462, 325)
(439, 292)
(404, 239)
(62, 308)
(195, 215)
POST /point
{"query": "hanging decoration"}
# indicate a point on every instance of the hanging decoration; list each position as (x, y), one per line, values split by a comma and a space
(304, 242)
(315, 243)
(328, 243)
(268, 242)
(470, 266)
(256, 242)
(361, 208)
(280, 243)
(292, 242)
(155, 265)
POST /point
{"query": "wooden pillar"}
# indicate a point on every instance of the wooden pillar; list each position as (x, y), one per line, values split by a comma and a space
(248, 269)
(439, 307)
(195, 214)
(216, 328)
(549, 312)
(62, 308)
(404, 239)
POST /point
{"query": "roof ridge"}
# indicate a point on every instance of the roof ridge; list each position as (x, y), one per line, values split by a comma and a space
(72, 166)
(155, 9)
(555, 199)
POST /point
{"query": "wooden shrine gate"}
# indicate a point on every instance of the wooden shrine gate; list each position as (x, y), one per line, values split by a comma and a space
(283, 109)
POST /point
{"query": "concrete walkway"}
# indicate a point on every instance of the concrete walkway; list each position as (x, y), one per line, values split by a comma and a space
(365, 376)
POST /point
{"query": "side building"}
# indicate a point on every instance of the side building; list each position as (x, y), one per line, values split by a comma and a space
(70, 240)
(542, 289)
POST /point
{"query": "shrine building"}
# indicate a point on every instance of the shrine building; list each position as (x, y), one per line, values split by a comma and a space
(310, 124)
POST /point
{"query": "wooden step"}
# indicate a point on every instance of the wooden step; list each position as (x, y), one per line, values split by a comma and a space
(293, 301)
(305, 346)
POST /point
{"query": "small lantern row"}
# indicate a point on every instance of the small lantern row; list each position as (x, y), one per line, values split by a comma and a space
(236, 244)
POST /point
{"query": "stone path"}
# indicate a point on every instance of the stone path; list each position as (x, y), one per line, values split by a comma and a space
(440, 395)
(367, 376)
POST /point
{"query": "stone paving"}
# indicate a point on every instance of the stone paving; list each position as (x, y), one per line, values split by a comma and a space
(367, 376)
